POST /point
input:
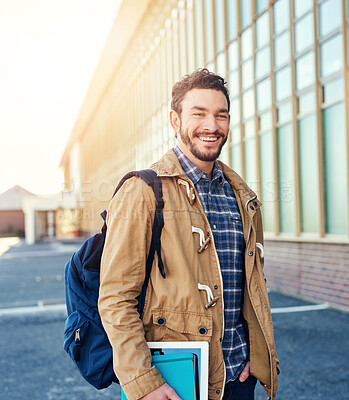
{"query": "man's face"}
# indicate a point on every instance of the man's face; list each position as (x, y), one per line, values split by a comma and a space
(203, 124)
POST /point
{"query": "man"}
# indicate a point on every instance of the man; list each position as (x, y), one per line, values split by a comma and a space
(212, 250)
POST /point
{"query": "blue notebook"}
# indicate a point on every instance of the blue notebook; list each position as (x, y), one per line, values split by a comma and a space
(180, 371)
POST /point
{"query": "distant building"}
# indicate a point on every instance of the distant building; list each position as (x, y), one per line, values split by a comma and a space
(11, 211)
(286, 63)
(23, 213)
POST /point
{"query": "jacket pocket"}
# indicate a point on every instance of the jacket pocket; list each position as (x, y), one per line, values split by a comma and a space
(182, 326)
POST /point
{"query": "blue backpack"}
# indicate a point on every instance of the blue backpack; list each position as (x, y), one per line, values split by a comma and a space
(84, 338)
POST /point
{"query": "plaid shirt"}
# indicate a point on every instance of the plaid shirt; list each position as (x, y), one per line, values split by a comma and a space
(221, 208)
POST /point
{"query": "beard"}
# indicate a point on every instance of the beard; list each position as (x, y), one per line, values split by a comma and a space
(206, 155)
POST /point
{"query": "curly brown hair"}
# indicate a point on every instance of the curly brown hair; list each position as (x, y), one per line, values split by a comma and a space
(202, 78)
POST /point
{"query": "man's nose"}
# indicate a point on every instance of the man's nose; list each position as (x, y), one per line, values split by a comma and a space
(210, 124)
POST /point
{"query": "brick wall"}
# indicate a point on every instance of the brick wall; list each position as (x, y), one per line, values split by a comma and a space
(11, 219)
(314, 271)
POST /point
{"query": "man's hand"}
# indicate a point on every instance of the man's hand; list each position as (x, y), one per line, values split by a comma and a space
(163, 392)
(245, 372)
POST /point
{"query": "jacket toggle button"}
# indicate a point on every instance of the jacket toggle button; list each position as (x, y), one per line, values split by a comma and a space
(218, 391)
(255, 203)
(161, 321)
(202, 330)
(250, 253)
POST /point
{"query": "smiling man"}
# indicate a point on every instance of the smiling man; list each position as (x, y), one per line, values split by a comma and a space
(212, 249)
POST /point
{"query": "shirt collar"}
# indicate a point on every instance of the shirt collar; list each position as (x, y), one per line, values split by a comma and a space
(193, 172)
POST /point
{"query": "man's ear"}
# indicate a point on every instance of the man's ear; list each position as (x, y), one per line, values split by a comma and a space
(175, 121)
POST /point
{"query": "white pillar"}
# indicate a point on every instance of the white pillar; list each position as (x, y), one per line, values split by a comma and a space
(29, 216)
(50, 224)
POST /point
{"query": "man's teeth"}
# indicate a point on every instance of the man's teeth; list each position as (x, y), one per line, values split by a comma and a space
(208, 138)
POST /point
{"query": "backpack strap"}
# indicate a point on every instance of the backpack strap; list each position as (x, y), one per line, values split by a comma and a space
(151, 178)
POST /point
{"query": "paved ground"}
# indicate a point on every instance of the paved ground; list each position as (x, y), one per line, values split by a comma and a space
(313, 346)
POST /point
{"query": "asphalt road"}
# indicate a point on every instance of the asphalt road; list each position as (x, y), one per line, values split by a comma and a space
(312, 345)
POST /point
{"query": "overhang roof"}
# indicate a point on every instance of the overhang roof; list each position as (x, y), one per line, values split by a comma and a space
(12, 199)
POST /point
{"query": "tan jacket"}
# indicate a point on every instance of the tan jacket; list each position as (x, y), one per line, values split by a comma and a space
(175, 307)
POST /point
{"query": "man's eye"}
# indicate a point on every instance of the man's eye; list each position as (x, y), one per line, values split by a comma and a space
(199, 114)
(222, 116)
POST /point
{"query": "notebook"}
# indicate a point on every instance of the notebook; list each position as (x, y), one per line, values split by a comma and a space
(199, 349)
(180, 371)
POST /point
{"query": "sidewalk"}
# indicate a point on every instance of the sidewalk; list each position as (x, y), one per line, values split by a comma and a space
(7, 242)
(16, 247)
(312, 344)
(34, 274)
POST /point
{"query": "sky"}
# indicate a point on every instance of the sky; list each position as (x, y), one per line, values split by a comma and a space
(49, 51)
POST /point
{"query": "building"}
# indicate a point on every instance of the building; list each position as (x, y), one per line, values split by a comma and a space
(286, 63)
(11, 211)
(23, 213)
(51, 216)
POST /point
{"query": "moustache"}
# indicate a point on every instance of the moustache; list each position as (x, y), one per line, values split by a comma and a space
(216, 133)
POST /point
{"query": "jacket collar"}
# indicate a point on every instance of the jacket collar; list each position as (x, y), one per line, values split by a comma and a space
(169, 166)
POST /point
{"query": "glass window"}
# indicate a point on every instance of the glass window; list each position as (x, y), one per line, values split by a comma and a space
(283, 84)
(261, 5)
(199, 46)
(175, 49)
(335, 163)
(190, 40)
(262, 62)
(284, 112)
(250, 163)
(268, 186)
(232, 20)
(248, 104)
(306, 102)
(249, 128)
(236, 158)
(286, 178)
(234, 83)
(333, 91)
(234, 111)
(305, 71)
(233, 57)
(330, 16)
(246, 44)
(304, 33)
(245, 13)
(235, 135)
(262, 30)
(301, 7)
(225, 155)
(221, 69)
(308, 171)
(281, 16)
(263, 95)
(210, 66)
(208, 30)
(265, 121)
(220, 25)
(247, 74)
(331, 53)
(182, 45)
(282, 49)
